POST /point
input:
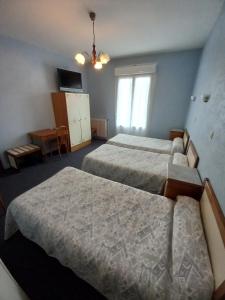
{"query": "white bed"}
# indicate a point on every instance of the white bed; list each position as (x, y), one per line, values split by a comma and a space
(140, 169)
(126, 243)
(151, 144)
(136, 168)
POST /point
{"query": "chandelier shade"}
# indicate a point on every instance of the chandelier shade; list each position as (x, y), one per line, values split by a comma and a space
(104, 58)
(97, 60)
(80, 58)
(98, 65)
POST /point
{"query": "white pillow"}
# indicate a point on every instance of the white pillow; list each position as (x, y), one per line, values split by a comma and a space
(191, 269)
(178, 145)
(180, 159)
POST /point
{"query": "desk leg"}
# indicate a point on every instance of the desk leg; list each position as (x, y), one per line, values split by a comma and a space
(43, 151)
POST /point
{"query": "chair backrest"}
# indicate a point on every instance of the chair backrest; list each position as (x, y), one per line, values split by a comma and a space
(63, 136)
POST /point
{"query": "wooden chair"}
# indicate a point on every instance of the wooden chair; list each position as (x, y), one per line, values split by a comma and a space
(59, 139)
(63, 138)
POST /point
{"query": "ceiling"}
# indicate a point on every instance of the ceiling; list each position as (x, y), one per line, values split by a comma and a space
(123, 27)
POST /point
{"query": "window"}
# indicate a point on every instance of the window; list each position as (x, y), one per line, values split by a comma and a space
(132, 102)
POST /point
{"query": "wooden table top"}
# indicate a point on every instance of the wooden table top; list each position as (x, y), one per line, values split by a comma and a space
(44, 133)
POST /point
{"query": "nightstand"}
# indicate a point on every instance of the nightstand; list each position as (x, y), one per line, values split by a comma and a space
(176, 133)
(182, 181)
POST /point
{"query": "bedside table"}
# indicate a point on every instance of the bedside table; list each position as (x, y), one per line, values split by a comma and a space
(182, 181)
(176, 133)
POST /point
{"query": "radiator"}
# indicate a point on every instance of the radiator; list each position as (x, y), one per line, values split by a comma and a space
(99, 128)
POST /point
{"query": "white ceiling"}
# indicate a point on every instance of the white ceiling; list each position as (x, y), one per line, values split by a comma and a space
(123, 27)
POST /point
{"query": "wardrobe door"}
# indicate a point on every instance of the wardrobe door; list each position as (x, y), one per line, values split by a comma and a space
(84, 107)
(74, 119)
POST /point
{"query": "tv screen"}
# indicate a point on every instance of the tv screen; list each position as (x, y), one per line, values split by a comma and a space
(69, 81)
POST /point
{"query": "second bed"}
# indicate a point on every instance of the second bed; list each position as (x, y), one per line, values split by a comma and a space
(140, 169)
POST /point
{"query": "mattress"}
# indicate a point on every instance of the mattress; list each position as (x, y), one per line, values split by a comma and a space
(140, 169)
(117, 238)
(142, 143)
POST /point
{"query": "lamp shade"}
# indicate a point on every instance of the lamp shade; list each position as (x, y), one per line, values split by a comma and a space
(104, 58)
(98, 65)
(79, 57)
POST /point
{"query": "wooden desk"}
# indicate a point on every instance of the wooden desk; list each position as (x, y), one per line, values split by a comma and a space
(41, 137)
(43, 134)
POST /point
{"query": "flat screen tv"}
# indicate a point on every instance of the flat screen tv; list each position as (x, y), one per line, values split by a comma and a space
(69, 81)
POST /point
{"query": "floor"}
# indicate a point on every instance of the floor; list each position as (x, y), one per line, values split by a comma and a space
(15, 184)
(42, 277)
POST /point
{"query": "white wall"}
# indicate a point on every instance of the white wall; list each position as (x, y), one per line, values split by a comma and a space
(27, 78)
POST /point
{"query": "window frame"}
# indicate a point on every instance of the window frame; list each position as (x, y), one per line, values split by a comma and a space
(150, 98)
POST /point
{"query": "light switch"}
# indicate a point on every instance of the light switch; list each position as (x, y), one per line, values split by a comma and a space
(205, 98)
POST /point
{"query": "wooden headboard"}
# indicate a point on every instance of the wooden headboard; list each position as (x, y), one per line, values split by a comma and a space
(186, 137)
(214, 226)
(192, 155)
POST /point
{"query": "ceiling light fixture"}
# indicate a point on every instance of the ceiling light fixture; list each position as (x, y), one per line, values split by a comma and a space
(96, 60)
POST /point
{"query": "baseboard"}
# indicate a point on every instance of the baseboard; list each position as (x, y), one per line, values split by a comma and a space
(80, 146)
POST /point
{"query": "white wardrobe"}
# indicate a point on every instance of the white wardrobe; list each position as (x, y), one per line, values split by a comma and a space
(73, 111)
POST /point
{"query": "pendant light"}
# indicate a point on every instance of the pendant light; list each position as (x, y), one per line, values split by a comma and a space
(96, 60)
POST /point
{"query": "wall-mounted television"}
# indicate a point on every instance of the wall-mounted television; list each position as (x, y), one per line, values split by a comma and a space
(69, 81)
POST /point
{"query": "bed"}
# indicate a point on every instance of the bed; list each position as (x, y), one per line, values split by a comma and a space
(126, 243)
(140, 169)
(151, 144)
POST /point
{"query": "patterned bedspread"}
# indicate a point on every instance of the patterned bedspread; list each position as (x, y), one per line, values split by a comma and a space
(142, 143)
(140, 169)
(115, 237)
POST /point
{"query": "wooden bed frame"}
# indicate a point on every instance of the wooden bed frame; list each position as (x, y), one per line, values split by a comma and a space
(186, 138)
(213, 222)
(192, 155)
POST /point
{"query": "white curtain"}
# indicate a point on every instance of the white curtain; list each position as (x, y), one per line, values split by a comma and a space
(132, 104)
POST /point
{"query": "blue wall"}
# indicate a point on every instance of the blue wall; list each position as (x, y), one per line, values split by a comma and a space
(206, 121)
(175, 78)
(27, 77)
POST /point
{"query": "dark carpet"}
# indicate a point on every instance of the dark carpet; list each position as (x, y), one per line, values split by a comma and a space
(39, 275)
(42, 277)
